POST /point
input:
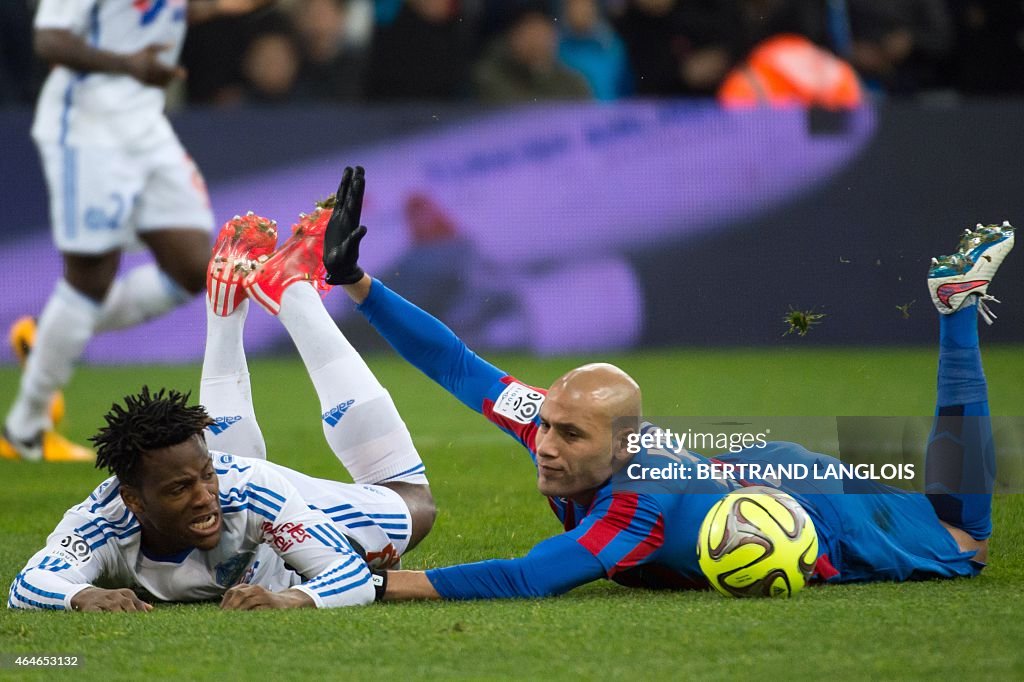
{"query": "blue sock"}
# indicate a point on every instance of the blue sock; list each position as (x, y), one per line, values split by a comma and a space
(960, 464)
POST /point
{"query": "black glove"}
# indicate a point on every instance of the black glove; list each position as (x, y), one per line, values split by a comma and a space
(343, 234)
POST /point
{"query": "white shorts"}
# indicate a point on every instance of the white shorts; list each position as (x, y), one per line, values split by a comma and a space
(102, 198)
(374, 516)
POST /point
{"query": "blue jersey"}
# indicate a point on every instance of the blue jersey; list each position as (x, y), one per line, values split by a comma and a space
(644, 536)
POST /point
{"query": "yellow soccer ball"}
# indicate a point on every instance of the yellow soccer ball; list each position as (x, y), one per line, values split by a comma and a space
(757, 542)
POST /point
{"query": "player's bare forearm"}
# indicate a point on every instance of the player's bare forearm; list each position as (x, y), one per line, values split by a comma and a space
(65, 48)
(205, 10)
(255, 597)
(57, 46)
(408, 585)
(360, 290)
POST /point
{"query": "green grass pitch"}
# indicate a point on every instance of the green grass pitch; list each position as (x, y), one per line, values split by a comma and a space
(489, 507)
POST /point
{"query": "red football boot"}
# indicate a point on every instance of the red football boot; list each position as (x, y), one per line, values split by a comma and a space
(300, 259)
(243, 243)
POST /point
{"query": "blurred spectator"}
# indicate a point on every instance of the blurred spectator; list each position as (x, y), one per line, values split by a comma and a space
(989, 57)
(522, 65)
(332, 67)
(270, 64)
(677, 48)
(789, 70)
(589, 45)
(422, 54)
(438, 263)
(213, 56)
(899, 45)
(18, 70)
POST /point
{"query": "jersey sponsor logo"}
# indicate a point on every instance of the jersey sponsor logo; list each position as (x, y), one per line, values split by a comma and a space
(519, 402)
(229, 572)
(948, 291)
(71, 549)
(334, 415)
(284, 535)
(222, 424)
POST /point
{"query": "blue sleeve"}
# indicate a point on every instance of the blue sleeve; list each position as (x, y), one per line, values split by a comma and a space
(430, 346)
(554, 566)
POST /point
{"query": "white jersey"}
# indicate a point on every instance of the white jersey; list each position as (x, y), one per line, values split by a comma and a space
(103, 108)
(270, 536)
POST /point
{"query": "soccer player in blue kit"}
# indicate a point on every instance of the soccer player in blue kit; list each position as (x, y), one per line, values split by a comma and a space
(577, 433)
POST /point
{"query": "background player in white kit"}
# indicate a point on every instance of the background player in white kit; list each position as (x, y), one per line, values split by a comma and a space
(115, 171)
(181, 523)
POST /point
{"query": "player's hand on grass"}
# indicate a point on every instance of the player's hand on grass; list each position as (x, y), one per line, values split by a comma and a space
(343, 234)
(254, 597)
(146, 66)
(99, 599)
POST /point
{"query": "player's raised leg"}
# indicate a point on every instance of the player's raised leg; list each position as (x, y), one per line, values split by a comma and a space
(360, 421)
(65, 326)
(960, 462)
(224, 389)
(121, 191)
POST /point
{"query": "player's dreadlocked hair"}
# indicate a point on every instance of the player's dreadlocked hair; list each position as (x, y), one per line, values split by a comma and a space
(146, 422)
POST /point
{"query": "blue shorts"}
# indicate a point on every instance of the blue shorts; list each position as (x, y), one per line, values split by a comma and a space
(877, 533)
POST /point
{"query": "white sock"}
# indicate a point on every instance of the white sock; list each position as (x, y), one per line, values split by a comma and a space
(62, 332)
(225, 390)
(143, 293)
(360, 420)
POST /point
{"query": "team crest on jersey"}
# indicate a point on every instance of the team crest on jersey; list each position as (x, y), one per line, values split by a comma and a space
(227, 459)
(222, 424)
(519, 403)
(228, 572)
(332, 416)
(249, 574)
(71, 549)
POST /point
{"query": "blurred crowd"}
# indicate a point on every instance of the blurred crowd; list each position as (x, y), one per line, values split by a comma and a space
(501, 51)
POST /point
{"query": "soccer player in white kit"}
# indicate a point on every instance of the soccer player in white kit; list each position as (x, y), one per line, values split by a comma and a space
(115, 172)
(181, 522)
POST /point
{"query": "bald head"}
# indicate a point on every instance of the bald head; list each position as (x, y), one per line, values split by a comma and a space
(583, 432)
(603, 386)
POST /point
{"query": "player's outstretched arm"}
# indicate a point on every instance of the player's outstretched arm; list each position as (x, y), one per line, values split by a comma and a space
(307, 541)
(622, 531)
(552, 567)
(60, 576)
(416, 335)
